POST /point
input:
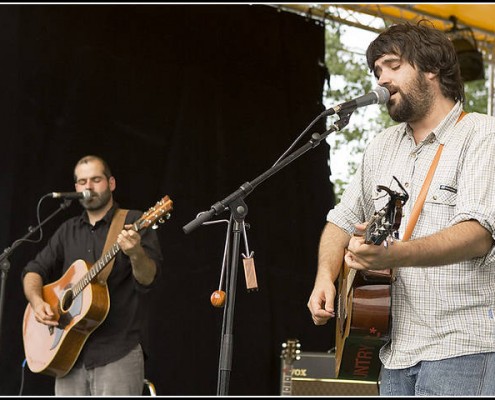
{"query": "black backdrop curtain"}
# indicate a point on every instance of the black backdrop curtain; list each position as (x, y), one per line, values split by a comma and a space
(190, 101)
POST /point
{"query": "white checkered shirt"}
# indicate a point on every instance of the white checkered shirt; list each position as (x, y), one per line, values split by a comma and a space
(446, 311)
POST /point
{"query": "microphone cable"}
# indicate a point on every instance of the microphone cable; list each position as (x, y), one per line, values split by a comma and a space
(299, 137)
(23, 368)
(31, 229)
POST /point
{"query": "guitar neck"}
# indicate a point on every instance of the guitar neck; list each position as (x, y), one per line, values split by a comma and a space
(97, 267)
(103, 261)
(286, 389)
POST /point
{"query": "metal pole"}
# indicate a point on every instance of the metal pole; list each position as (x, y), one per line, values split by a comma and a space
(491, 75)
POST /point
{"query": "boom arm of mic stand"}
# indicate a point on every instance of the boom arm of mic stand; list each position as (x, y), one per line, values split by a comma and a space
(218, 207)
(248, 187)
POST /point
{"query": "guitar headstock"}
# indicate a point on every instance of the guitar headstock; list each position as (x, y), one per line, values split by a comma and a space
(291, 351)
(386, 222)
(158, 213)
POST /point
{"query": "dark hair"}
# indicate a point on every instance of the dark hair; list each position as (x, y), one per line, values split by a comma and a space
(425, 48)
(89, 158)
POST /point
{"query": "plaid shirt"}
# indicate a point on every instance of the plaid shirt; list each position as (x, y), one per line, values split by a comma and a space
(445, 311)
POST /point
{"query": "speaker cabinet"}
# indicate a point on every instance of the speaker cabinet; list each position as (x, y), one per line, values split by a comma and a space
(333, 387)
(313, 374)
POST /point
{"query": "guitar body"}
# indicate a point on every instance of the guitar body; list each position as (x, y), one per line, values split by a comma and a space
(362, 323)
(54, 350)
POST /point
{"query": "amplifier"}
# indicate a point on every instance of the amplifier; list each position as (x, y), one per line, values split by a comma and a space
(313, 374)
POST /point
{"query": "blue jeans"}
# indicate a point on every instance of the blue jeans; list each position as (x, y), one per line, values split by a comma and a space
(124, 377)
(470, 375)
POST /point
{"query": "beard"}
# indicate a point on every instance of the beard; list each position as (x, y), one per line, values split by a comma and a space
(415, 102)
(97, 201)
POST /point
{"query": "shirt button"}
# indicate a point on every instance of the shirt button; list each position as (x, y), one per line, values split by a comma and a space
(434, 197)
(406, 184)
(89, 251)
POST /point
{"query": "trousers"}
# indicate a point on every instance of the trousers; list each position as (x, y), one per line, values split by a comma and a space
(124, 377)
(469, 375)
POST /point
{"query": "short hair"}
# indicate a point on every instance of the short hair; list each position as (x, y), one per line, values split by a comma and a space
(86, 159)
(424, 47)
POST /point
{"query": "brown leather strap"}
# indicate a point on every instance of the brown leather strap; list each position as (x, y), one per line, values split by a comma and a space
(424, 190)
(421, 197)
(116, 227)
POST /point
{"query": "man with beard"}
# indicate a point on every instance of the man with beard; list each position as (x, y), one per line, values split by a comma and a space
(443, 278)
(112, 359)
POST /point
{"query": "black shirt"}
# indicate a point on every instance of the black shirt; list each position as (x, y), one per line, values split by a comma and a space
(126, 323)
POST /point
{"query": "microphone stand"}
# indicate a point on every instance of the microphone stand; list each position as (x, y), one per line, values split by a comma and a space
(4, 257)
(238, 208)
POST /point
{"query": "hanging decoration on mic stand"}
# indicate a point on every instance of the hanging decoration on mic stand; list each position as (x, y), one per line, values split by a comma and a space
(217, 298)
(248, 261)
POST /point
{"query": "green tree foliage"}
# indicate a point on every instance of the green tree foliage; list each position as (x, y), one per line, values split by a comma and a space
(350, 78)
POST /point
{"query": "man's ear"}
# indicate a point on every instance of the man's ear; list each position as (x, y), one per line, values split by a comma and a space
(111, 183)
(431, 75)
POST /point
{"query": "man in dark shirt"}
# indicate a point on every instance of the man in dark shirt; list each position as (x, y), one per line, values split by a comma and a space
(111, 361)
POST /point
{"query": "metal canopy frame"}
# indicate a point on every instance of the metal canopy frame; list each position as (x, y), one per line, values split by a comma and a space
(358, 16)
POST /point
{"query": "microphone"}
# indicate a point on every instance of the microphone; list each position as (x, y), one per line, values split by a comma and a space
(85, 194)
(379, 95)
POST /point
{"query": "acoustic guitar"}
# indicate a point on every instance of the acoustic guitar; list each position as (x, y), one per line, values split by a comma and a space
(291, 352)
(364, 300)
(82, 304)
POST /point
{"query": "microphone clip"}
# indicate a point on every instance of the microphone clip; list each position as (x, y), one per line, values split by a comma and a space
(344, 117)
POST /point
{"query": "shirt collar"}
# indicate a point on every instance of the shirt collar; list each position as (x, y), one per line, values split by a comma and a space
(446, 125)
(107, 219)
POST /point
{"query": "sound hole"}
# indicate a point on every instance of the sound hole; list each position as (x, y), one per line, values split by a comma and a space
(67, 299)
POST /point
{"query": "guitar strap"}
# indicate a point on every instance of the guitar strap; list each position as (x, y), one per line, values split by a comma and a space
(116, 227)
(422, 194)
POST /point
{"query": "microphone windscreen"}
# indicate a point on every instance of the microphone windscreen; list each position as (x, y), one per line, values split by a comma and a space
(383, 94)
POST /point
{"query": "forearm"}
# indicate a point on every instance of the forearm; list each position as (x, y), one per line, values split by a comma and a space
(43, 313)
(33, 284)
(143, 267)
(333, 242)
(460, 242)
(332, 246)
(463, 241)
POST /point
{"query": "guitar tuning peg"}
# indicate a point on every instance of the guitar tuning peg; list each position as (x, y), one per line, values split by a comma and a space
(161, 220)
(154, 226)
